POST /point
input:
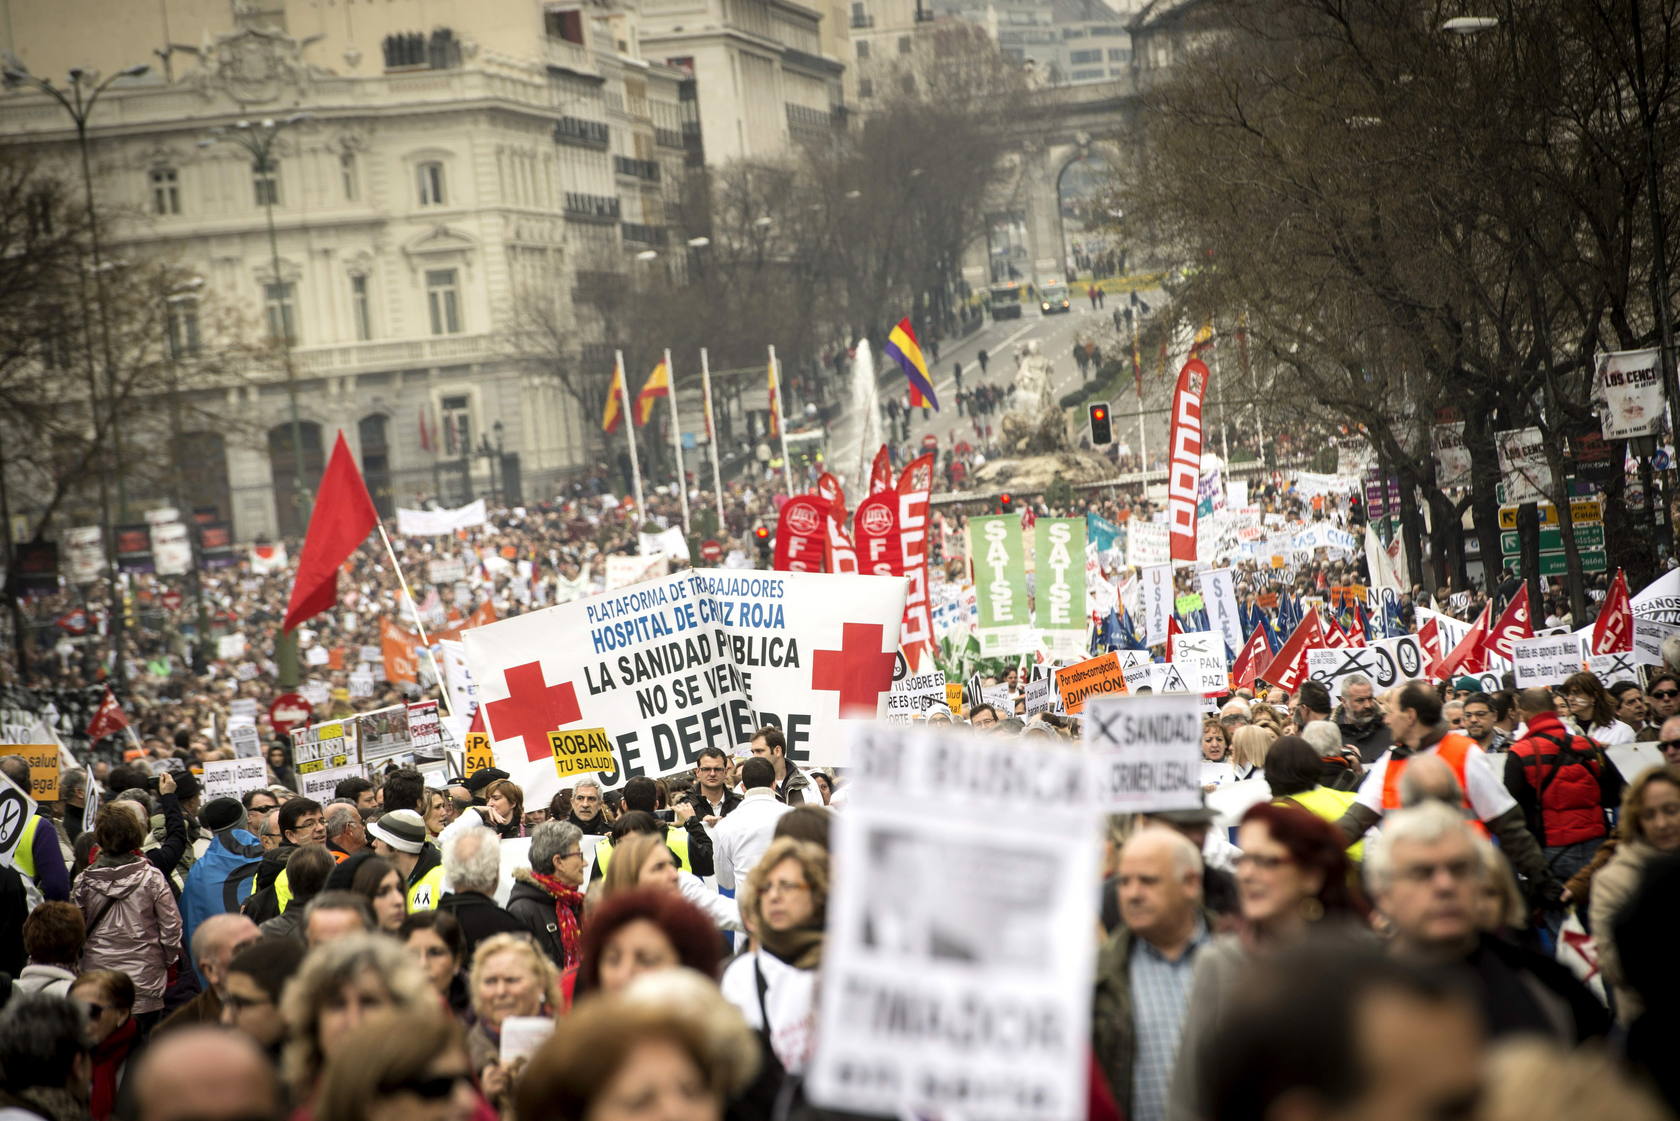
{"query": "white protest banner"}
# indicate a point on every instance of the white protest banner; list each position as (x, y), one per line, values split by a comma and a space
(436, 523)
(970, 905)
(669, 543)
(230, 647)
(320, 785)
(914, 693)
(242, 710)
(1611, 668)
(690, 661)
(623, 571)
(230, 778)
(1648, 638)
(361, 682)
(1219, 598)
(1157, 603)
(425, 733)
(16, 808)
(383, 732)
(1391, 662)
(1660, 599)
(246, 741)
(446, 570)
(321, 746)
(1523, 466)
(1146, 753)
(1547, 660)
(1628, 388)
(1155, 677)
(1148, 543)
(1200, 658)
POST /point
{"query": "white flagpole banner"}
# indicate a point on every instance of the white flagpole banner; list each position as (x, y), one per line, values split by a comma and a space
(1628, 389)
(436, 523)
(1157, 603)
(699, 659)
(1219, 597)
(961, 936)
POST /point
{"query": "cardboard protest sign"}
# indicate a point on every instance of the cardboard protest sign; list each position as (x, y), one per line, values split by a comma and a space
(581, 751)
(1391, 662)
(1200, 658)
(1092, 677)
(43, 763)
(383, 733)
(242, 710)
(1547, 660)
(1648, 637)
(970, 904)
(425, 731)
(230, 778)
(914, 693)
(480, 756)
(1000, 581)
(320, 746)
(1044, 695)
(694, 660)
(1147, 753)
(16, 808)
(1611, 668)
(320, 785)
(1155, 677)
(954, 697)
(246, 741)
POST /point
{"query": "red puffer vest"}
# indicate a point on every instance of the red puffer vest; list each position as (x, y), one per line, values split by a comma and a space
(1564, 768)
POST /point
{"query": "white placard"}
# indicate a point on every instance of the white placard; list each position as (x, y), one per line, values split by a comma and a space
(1628, 389)
(1200, 657)
(315, 692)
(1391, 662)
(968, 902)
(230, 647)
(242, 710)
(915, 693)
(1611, 668)
(1157, 677)
(522, 1035)
(230, 778)
(1146, 753)
(16, 808)
(1523, 466)
(246, 741)
(321, 747)
(317, 656)
(1548, 660)
(1148, 544)
(1648, 637)
(320, 785)
(1634, 759)
(361, 683)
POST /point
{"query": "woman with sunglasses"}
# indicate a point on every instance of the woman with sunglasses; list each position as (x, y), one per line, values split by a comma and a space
(1293, 881)
(409, 1068)
(108, 999)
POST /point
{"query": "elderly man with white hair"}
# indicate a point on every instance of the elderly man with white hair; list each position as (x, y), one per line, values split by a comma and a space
(588, 812)
(1339, 767)
(472, 863)
(1425, 872)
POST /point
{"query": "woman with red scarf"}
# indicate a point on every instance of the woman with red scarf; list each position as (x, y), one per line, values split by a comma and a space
(548, 898)
(108, 999)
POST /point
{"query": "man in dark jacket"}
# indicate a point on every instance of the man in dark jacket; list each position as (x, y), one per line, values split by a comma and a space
(1361, 720)
(642, 793)
(711, 798)
(552, 882)
(472, 864)
(587, 812)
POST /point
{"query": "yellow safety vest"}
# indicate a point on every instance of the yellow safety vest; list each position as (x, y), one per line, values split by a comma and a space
(282, 891)
(676, 838)
(1330, 805)
(423, 895)
(23, 857)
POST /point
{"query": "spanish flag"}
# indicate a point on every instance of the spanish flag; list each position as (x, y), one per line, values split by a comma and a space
(901, 346)
(613, 415)
(658, 385)
(775, 402)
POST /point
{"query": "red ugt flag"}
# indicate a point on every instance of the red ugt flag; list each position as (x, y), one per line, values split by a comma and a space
(108, 718)
(343, 517)
(1613, 632)
(1256, 656)
(1514, 623)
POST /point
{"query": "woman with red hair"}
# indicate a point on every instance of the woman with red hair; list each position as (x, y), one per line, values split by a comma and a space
(639, 931)
(1294, 883)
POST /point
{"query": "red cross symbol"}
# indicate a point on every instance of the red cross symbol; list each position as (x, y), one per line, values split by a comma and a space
(1581, 942)
(533, 709)
(858, 671)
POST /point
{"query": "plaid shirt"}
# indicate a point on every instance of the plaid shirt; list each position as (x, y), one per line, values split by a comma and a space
(1160, 994)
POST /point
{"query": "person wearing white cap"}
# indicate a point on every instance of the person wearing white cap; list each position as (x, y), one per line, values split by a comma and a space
(400, 837)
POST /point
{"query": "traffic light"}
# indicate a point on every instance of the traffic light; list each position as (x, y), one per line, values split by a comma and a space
(1006, 503)
(1102, 429)
(761, 538)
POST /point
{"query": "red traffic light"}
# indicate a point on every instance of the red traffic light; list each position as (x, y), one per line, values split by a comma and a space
(1098, 412)
(761, 533)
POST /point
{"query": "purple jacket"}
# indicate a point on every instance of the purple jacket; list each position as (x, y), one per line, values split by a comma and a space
(139, 931)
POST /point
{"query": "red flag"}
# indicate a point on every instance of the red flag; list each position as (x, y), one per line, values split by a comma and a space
(1468, 655)
(1429, 637)
(1613, 632)
(915, 490)
(875, 532)
(802, 535)
(881, 473)
(425, 432)
(1252, 661)
(108, 718)
(1514, 622)
(1334, 637)
(830, 490)
(1185, 468)
(343, 517)
(1356, 632)
(1173, 631)
(1028, 518)
(1290, 662)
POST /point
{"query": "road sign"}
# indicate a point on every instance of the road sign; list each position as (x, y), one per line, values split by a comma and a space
(1552, 564)
(288, 711)
(1589, 535)
(1584, 510)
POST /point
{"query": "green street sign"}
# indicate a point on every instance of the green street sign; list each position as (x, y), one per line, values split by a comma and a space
(1589, 535)
(1554, 564)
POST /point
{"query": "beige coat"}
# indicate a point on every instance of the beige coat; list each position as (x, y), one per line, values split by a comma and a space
(1611, 889)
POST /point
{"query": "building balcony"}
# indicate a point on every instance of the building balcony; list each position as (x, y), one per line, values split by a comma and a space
(594, 208)
(566, 55)
(582, 133)
(667, 137)
(645, 235)
(646, 170)
(802, 118)
(355, 358)
(862, 20)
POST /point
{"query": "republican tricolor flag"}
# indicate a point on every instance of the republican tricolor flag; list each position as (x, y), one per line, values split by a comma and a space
(901, 346)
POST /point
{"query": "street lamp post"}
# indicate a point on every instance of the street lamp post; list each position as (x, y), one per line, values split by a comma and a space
(259, 139)
(78, 98)
(179, 347)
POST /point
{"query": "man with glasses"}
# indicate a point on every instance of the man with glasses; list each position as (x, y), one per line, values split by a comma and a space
(1668, 738)
(711, 799)
(1425, 876)
(259, 804)
(1663, 693)
(1481, 725)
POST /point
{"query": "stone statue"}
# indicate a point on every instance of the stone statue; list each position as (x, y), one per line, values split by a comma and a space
(1033, 425)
